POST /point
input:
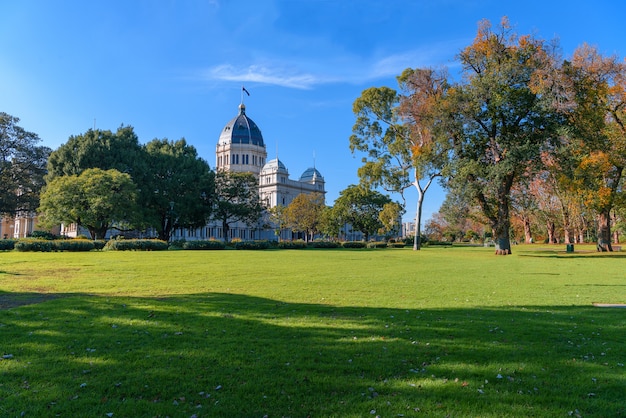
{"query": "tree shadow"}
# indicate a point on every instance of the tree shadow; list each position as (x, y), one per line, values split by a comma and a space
(220, 354)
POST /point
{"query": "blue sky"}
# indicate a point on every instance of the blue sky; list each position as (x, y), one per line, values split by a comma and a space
(174, 69)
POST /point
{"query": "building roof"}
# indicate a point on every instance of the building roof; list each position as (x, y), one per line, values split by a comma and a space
(241, 130)
(311, 174)
(273, 166)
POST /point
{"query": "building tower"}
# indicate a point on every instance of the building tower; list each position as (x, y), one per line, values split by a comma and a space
(240, 147)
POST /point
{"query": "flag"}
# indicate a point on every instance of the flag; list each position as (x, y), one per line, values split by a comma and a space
(244, 89)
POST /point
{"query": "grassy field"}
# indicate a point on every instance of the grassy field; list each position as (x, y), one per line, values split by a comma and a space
(342, 333)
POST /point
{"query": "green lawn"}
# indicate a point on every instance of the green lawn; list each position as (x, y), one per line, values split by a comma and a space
(346, 333)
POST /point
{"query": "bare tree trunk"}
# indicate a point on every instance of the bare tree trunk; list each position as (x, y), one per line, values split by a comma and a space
(604, 231)
(528, 235)
(551, 228)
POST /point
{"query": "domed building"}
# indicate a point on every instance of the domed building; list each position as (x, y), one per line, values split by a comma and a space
(241, 148)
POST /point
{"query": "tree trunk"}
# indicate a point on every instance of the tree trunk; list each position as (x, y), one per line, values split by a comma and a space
(567, 230)
(225, 229)
(615, 232)
(550, 229)
(528, 235)
(502, 227)
(604, 231)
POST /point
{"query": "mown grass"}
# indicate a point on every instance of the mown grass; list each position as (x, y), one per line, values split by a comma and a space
(345, 333)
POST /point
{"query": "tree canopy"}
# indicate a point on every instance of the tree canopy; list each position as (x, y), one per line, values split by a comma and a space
(236, 200)
(304, 214)
(22, 167)
(361, 207)
(94, 199)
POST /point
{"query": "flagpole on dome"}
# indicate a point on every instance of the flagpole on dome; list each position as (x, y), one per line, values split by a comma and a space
(243, 90)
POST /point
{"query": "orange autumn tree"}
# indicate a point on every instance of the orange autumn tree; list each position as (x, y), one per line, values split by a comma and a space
(596, 90)
(497, 121)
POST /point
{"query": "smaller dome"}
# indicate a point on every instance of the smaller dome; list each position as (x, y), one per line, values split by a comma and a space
(311, 175)
(273, 166)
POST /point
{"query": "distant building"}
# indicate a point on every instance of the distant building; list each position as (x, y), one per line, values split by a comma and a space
(241, 148)
(408, 229)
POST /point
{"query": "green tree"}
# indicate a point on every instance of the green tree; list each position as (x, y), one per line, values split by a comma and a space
(99, 149)
(304, 214)
(396, 131)
(278, 218)
(178, 190)
(236, 200)
(389, 216)
(496, 122)
(361, 206)
(330, 222)
(22, 167)
(597, 117)
(95, 199)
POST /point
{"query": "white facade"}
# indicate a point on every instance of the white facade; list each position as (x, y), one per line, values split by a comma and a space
(241, 148)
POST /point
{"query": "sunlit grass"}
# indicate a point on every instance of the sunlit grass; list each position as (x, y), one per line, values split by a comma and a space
(454, 331)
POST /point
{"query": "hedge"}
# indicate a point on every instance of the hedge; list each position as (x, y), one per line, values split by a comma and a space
(135, 245)
(44, 245)
(324, 244)
(354, 244)
(292, 245)
(252, 245)
(203, 245)
(7, 244)
(377, 244)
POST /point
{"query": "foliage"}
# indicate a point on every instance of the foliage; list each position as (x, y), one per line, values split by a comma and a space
(99, 149)
(496, 121)
(396, 134)
(38, 245)
(292, 245)
(22, 167)
(180, 187)
(7, 244)
(360, 207)
(236, 200)
(94, 199)
(354, 244)
(377, 244)
(135, 245)
(323, 244)
(304, 214)
(42, 235)
(253, 245)
(203, 245)
(73, 245)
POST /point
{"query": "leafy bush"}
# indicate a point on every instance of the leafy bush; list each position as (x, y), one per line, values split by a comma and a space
(252, 245)
(73, 245)
(135, 245)
(377, 244)
(99, 244)
(440, 243)
(324, 244)
(38, 245)
(354, 244)
(395, 244)
(203, 245)
(292, 245)
(7, 244)
(178, 244)
(42, 235)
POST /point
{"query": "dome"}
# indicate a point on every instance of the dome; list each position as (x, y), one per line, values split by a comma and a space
(241, 130)
(274, 166)
(310, 175)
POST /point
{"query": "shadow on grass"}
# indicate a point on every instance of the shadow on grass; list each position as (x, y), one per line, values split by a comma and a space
(236, 355)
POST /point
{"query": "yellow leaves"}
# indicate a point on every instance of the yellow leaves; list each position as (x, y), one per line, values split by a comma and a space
(599, 161)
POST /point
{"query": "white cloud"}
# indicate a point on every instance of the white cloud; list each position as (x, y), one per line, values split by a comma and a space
(264, 75)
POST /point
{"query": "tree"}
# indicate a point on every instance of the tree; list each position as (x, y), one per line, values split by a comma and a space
(178, 190)
(304, 214)
(389, 216)
(22, 167)
(278, 218)
(236, 200)
(95, 199)
(361, 207)
(99, 149)
(330, 222)
(497, 122)
(596, 93)
(396, 133)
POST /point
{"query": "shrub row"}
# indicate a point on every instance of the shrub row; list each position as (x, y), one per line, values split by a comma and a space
(253, 245)
(44, 245)
(135, 245)
(202, 245)
(7, 244)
